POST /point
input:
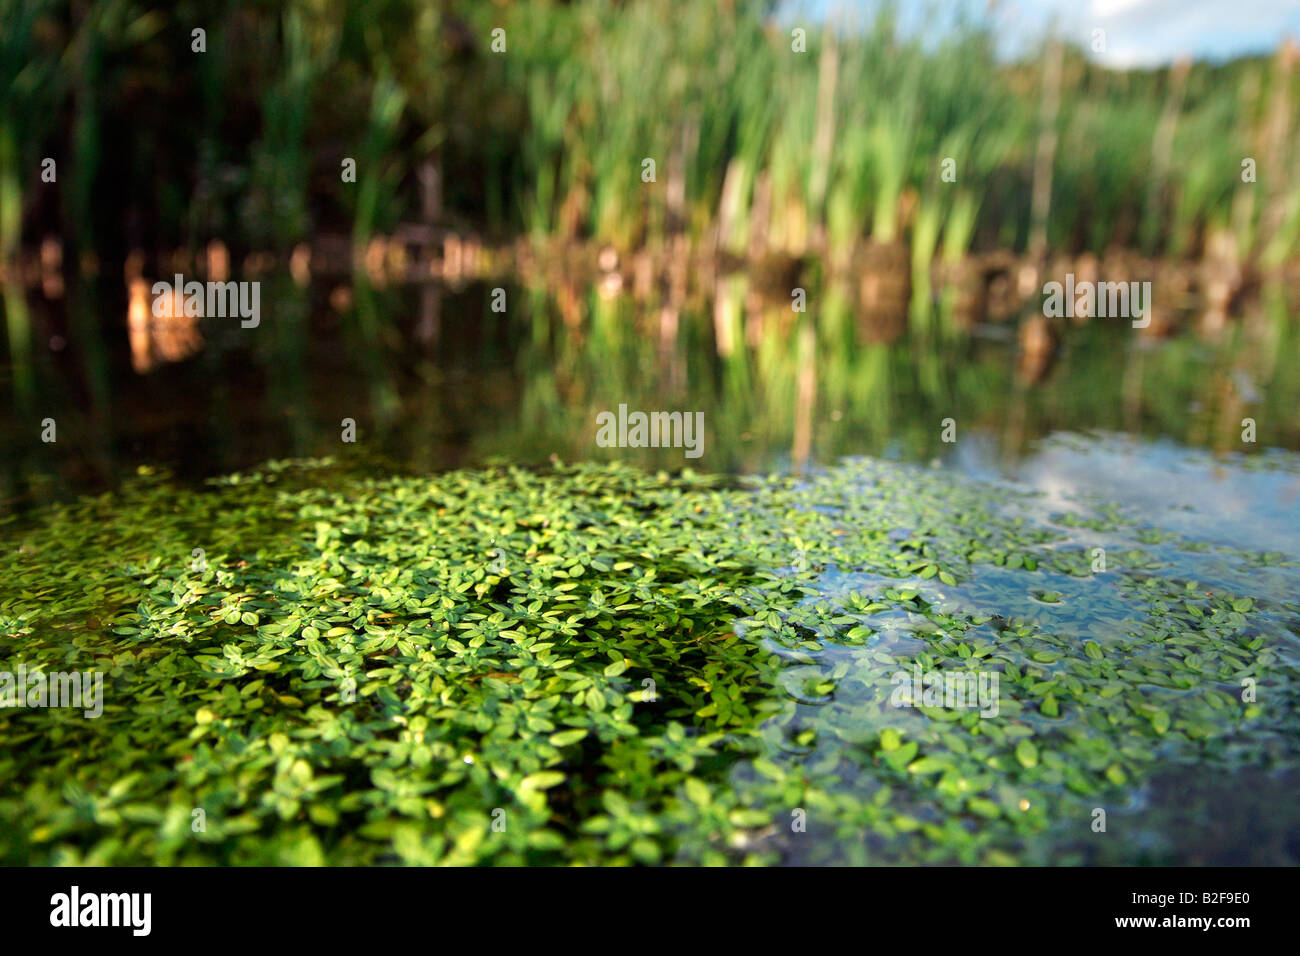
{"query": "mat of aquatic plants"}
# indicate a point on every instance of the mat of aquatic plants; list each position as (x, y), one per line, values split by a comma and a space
(592, 664)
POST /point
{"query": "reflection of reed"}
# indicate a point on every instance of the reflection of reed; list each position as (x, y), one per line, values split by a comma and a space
(52, 268)
(1038, 341)
(805, 396)
(18, 331)
(430, 326)
(1171, 287)
(769, 371)
(300, 264)
(169, 336)
(726, 312)
(1131, 389)
(218, 261)
(672, 362)
(1221, 280)
(885, 288)
(966, 283)
(1002, 286)
(991, 286)
(1085, 269)
(790, 380)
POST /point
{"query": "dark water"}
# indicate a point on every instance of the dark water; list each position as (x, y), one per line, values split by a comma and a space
(435, 378)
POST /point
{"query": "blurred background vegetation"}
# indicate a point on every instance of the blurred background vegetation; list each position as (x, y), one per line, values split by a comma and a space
(159, 146)
(782, 158)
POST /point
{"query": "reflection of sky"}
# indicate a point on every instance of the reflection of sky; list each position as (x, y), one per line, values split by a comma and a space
(1186, 491)
(1138, 32)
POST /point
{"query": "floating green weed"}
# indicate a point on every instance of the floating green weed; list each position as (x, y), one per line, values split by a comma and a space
(597, 665)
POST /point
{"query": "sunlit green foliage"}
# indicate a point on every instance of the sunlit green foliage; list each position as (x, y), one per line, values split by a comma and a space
(244, 140)
(629, 667)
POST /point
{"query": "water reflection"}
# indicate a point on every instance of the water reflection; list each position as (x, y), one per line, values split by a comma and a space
(437, 377)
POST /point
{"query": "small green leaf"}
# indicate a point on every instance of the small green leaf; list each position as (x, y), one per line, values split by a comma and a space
(698, 792)
(1027, 753)
(927, 765)
(542, 780)
(748, 818)
(566, 737)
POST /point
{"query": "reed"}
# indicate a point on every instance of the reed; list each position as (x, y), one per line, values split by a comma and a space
(761, 142)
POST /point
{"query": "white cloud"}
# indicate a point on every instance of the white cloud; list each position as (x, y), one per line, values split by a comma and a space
(1138, 32)
(1149, 32)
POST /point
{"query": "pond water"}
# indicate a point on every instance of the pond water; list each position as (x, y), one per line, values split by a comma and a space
(435, 378)
(1179, 542)
(1120, 447)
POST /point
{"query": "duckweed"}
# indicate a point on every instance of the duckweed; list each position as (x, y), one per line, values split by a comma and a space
(595, 665)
